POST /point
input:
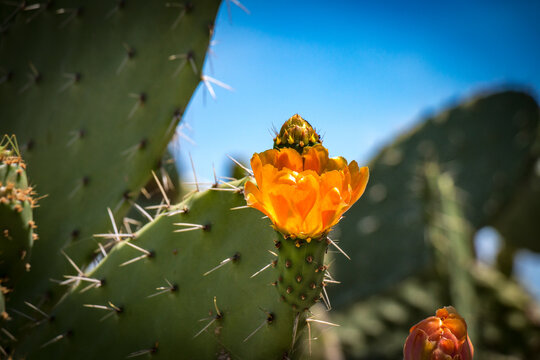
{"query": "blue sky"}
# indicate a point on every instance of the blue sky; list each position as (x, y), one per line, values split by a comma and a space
(360, 72)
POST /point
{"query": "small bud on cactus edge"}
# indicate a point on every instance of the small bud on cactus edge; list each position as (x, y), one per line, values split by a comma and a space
(296, 133)
(440, 337)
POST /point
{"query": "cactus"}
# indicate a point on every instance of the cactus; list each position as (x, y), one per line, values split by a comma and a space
(94, 92)
(17, 201)
(450, 236)
(384, 236)
(181, 286)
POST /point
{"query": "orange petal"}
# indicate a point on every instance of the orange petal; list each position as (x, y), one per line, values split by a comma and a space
(315, 158)
(290, 159)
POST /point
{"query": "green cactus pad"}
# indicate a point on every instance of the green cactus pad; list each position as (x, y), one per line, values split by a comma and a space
(163, 304)
(300, 271)
(17, 200)
(94, 92)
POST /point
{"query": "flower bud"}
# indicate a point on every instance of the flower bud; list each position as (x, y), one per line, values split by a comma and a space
(440, 337)
(296, 133)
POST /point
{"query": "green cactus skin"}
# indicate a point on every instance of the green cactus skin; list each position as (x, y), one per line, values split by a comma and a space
(300, 271)
(17, 200)
(484, 144)
(157, 303)
(451, 238)
(93, 95)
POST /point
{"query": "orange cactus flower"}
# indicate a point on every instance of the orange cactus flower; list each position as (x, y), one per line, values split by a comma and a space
(440, 337)
(304, 194)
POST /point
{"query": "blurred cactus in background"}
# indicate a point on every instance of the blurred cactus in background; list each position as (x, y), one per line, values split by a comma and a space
(130, 264)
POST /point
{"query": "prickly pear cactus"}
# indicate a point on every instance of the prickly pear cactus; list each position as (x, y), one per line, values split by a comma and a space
(385, 234)
(94, 91)
(181, 287)
(17, 201)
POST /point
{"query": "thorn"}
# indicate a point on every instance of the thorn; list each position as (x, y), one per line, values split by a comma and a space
(239, 4)
(337, 247)
(248, 171)
(37, 309)
(215, 184)
(190, 227)
(114, 236)
(233, 258)
(130, 53)
(255, 331)
(134, 260)
(143, 212)
(73, 79)
(72, 14)
(273, 253)
(71, 279)
(180, 16)
(9, 335)
(164, 289)
(163, 193)
(194, 173)
(240, 207)
(113, 222)
(141, 99)
(175, 212)
(326, 299)
(55, 339)
(72, 263)
(152, 350)
(208, 81)
(204, 328)
(102, 249)
(308, 320)
(22, 314)
(295, 329)
(261, 270)
(309, 336)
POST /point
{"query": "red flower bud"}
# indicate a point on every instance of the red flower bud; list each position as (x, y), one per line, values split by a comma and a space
(440, 337)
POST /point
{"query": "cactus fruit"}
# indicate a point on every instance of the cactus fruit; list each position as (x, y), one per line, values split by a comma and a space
(385, 234)
(94, 92)
(17, 201)
(184, 294)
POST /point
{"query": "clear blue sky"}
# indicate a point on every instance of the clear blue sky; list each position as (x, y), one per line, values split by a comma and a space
(359, 71)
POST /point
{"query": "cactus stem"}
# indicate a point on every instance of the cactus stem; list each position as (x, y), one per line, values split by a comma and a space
(233, 258)
(330, 241)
